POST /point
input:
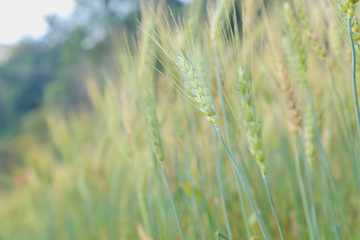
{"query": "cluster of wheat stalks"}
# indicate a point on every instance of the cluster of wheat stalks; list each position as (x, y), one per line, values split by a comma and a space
(227, 120)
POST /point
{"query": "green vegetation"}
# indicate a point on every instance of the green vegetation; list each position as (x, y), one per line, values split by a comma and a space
(214, 120)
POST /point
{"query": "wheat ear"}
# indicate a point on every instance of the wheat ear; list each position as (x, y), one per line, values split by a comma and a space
(158, 150)
(253, 133)
(200, 94)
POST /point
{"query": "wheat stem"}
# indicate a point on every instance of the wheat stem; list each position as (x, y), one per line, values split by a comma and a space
(226, 126)
(143, 208)
(273, 205)
(220, 184)
(326, 166)
(172, 201)
(310, 182)
(220, 236)
(236, 167)
(199, 229)
(303, 191)
(354, 88)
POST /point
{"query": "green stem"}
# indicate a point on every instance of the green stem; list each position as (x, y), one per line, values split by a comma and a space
(340, 105)
(199, 228)
(326, 166)
(142, 203)
(353, 56)
(150, 204)
(303, 191)
(310, 182)
(221, 188)
(166, 182)
(221, 236)
(228, 138)
(242, 182)
(273, 205)
(347, 129)
(335, 228)
(143, 208)
(160, 216)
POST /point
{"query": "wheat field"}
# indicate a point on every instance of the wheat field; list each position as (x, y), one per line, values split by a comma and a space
(231, 119)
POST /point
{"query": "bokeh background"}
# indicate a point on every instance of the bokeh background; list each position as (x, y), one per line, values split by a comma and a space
(47, 50)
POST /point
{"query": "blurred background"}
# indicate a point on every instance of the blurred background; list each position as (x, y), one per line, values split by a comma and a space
(47, 48)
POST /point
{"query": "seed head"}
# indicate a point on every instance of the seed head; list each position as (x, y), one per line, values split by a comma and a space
(200, 93)
(294, 111)
(252, 124)
(309, 135)
(297, 55)
(153, 128)
(318, 47)
(349, 8)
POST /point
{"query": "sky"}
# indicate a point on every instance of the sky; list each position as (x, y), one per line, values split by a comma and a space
(26, 18)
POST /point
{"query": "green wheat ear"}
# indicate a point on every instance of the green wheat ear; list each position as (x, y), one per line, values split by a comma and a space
(251, 122)
(153, 128)
(253, 134)
(309, 135)
(158, 151)
(297, 53)
(348, 7)
(317, 47)
(196, 86)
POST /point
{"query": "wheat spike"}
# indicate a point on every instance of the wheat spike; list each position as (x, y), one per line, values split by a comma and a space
(251, 122)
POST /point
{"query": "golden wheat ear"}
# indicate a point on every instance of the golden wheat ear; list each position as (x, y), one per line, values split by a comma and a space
(294, 111)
